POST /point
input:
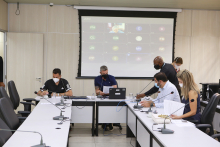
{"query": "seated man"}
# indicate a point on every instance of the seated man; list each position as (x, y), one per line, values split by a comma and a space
(104, 80)
(165, 89)
(56, 85)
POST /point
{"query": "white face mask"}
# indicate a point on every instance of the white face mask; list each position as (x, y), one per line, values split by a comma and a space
(181, 84)
(177, 67)
(55, 80)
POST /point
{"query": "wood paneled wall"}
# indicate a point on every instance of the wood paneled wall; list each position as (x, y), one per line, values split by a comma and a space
(197, 42)
(3, 15)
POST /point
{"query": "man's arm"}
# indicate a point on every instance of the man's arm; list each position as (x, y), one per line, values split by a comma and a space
(43, 90)
(97, 91)
(151, 91)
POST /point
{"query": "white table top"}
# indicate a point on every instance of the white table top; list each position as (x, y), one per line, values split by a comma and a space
(41, 120)
(182, 137)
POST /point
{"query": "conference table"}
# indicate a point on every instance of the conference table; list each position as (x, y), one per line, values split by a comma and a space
(41, 120)
(139, 125)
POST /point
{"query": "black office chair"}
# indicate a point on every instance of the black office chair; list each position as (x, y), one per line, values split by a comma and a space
(16, 99)
(4, 135)
(3, 93)
(216, 136)
(208, 115)
(8, 115)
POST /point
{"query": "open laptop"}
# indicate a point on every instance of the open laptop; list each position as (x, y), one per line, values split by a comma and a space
(117, 93)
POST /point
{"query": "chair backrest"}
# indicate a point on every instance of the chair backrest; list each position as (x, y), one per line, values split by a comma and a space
(3, 93)
(13, 94)
(8, 115)
(117, 84)
(4, 135)
(209, 111)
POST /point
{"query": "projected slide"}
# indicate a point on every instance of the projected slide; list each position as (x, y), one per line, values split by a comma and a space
(126, 45)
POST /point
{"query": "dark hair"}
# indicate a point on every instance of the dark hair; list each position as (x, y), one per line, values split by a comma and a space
(57, 71)
(179, 60)
(161, 76)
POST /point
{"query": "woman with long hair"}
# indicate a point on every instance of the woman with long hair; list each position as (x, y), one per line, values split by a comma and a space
(189, 90)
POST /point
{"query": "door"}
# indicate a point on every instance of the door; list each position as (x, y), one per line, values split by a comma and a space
(25, 63)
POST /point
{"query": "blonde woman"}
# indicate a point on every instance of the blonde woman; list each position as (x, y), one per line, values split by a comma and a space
(189, 91)
(178, 61)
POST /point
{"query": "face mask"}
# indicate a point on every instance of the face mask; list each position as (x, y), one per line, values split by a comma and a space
(177, 67)
(105, 76)
(55, 80)
(155, 84)
(157, 67)
(181, 85)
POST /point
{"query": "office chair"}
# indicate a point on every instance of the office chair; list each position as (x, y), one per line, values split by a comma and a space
(3, 93)
(208, 114)
(8, 115)
(4, 135)
(16, 99)
(216, 136)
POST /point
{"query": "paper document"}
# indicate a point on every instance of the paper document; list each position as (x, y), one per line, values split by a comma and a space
(106, 89)
(172, 106)
(46, 103)
(180, 123)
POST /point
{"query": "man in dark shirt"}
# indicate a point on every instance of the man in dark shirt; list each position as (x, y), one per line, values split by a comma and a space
(169, 71)
(56, 85)
(104, 80)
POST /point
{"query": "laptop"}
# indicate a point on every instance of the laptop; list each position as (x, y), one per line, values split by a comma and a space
(117, 93)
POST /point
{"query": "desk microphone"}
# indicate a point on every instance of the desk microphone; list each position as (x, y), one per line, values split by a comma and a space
(41, 140)
(168, 131)
(61, 117)
(147, 85)
(151, 105)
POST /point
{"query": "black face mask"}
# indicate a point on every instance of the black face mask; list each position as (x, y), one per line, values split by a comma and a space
(105, 76)
(157, 66)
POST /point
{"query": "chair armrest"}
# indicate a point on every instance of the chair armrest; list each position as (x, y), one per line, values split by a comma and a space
(24, 113)
(21, 119)
(203, 126)
(27, 103)
(216, 136)
(29, 99)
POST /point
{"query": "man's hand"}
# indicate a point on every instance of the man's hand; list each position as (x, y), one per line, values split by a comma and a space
(140, 96)
(145, 103)
(45, 93)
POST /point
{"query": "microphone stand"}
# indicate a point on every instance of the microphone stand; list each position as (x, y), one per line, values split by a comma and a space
(41, 140)
(61, 117)
(152, 104)
(168, 131)
(138, 106)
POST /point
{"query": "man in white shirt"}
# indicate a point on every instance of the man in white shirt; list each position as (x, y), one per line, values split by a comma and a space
(166, 90)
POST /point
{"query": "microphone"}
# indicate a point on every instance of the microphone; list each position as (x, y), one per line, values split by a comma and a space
(152, 104)
(168, 131)
(61, 117)
(41, 140)
(147, 85)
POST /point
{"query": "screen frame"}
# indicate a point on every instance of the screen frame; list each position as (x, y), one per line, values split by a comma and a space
(117, 13)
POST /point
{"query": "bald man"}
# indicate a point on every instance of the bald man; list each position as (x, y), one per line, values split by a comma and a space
(169, 71)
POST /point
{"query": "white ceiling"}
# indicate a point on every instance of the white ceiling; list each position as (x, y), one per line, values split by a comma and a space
(184, 4)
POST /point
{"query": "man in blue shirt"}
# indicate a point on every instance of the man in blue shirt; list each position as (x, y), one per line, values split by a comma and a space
(104, 80)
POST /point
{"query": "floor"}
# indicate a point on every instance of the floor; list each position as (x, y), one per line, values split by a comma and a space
(80, 136)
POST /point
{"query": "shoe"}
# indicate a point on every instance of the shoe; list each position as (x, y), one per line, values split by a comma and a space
(111, 128)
